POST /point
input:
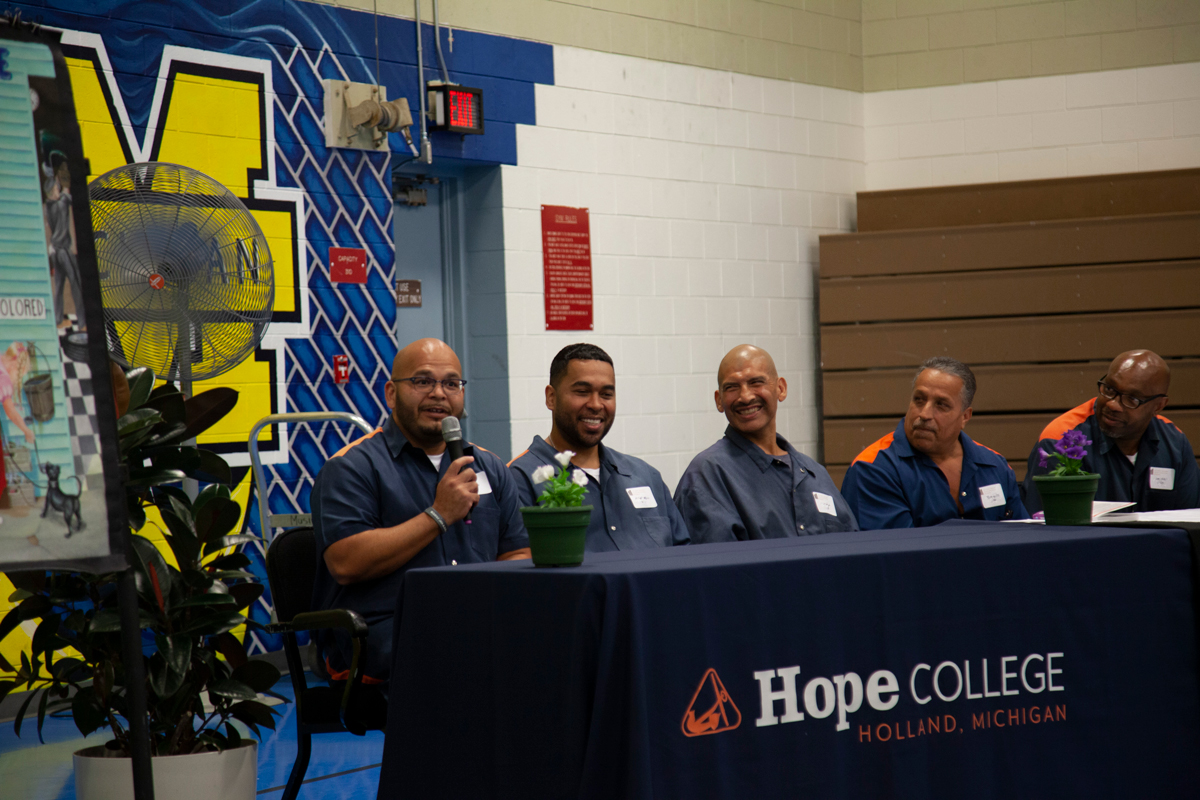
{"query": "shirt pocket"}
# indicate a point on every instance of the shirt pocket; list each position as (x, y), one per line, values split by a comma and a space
(659, 530)
(483, 532)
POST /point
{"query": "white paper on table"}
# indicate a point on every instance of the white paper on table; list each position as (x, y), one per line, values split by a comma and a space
(1176, 515)
(1102, 508)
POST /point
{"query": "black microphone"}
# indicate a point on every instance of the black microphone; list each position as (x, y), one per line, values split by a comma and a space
(452, 434)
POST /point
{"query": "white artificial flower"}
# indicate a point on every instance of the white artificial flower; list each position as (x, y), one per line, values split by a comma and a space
(564, 457)
(543, 473)
(579, 478)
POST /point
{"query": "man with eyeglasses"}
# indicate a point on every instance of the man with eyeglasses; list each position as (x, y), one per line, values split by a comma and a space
(632, 508)
(1141, 457)
(391, 501)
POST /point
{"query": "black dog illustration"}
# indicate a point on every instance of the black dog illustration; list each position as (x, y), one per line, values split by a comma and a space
(59, 500)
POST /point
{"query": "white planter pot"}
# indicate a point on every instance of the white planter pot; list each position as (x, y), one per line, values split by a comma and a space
(228, 775)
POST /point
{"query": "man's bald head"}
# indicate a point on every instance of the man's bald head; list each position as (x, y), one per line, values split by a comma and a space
(419, 411)
(748, 392)
(1144, 370)
(1138, 374)
(423, 351)
(743, 355)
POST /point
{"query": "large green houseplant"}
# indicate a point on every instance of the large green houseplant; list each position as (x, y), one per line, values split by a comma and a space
(186, 612)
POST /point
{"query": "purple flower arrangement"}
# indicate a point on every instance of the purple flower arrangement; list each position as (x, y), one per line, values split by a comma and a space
(1069, 453)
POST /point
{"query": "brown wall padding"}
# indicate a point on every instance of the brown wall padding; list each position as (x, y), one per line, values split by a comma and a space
(1024, 201)
(1037, 305)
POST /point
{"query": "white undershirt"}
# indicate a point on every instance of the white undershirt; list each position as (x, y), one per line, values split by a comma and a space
(437, 460)
(1132, 458)
(595, 473)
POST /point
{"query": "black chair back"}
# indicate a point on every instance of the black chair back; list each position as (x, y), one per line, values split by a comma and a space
(292, 571)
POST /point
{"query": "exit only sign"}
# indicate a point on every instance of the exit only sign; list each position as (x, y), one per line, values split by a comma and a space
(347, 265)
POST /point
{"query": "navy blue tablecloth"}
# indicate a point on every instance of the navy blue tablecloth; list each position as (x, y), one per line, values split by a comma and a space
(634, 676)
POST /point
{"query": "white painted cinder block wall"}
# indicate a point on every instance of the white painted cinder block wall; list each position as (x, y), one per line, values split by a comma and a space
(707, 191)
(1128, 120)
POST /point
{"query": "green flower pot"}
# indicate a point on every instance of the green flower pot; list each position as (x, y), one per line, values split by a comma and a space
(1067, 499)
(556, 535)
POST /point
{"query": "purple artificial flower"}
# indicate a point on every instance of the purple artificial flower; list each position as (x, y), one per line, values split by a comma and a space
(1043, 458)
(1061, 445)
(1075, 452)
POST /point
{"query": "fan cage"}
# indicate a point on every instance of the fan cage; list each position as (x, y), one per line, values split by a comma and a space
(186, 276)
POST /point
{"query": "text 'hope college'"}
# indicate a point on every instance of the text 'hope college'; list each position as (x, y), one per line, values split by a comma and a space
(947, 682)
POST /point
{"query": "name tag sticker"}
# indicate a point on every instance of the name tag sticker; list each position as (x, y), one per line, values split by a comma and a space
(642, 497)
(992, 495)
(825, 504)
(1162, 478)
(484, 486)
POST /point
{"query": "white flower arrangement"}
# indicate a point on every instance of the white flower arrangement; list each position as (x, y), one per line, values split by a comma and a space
(564, 490)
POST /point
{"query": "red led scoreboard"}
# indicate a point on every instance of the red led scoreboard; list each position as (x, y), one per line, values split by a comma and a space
(456, 109)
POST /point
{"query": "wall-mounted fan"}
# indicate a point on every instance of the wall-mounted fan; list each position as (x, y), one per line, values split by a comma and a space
(186, 277)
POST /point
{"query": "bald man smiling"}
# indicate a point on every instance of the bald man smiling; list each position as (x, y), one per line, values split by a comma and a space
(752, 484)
(392, 501)
(1140, 455)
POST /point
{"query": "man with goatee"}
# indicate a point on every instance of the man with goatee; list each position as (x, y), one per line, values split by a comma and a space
(631, 506)
(752, 484)
(392, 501)
(1141, 456)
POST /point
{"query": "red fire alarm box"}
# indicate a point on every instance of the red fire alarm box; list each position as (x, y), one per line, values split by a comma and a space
(341, 369)
(347, 265)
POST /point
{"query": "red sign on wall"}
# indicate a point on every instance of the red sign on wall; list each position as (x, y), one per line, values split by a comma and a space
(347, 265)
(341, 369)
(567, 265)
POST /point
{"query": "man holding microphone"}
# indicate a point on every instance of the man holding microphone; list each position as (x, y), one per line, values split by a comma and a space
(392, 500)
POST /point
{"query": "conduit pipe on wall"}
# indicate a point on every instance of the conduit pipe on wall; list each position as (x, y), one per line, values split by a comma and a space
(437, 41)
(426, 156)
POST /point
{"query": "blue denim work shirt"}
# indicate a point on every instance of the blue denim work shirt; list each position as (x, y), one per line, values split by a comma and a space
(890, 485)
(380, 481)
(734, 491)
(617, 522)
(1164, 452)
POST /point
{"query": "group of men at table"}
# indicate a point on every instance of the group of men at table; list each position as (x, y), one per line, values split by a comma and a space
(392, 501)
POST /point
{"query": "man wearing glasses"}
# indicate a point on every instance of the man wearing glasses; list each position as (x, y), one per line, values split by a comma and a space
(1140, 456)
(392, 501)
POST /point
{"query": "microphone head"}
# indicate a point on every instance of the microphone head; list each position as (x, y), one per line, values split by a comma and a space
(451, 429)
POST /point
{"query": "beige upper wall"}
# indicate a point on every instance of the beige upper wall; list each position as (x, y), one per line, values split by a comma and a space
(861, 45)
(912, 43)
(812, 41)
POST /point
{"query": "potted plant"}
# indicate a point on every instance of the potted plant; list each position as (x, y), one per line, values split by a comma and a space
(558, 524)
(1067, 491)
(186, 611)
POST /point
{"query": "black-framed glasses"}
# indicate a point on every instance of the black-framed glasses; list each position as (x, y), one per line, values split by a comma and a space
(1127, 400)
(425, 385)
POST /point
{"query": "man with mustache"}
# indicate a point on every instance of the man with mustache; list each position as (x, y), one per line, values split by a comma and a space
(631, 506)
(1140, 456)
(752, 484)
(391, 501)
(928, 471)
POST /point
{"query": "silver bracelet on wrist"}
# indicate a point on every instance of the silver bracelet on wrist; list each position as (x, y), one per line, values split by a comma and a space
(436, 517)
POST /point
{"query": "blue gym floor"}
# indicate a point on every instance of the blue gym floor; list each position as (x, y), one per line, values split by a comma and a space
(342, 765)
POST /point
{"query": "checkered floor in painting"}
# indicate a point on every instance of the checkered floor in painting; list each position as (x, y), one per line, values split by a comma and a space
(81, 408)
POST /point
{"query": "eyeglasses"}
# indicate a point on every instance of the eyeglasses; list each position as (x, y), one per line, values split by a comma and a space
(1127, 400)
(425, 385)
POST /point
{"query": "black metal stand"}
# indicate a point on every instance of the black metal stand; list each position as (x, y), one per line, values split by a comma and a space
(135, 677)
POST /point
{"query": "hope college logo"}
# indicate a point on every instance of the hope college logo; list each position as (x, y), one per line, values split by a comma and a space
(711, 710)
